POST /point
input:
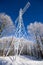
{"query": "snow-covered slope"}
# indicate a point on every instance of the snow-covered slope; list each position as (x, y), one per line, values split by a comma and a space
(20, 60)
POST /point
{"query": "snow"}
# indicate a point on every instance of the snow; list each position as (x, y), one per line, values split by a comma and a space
(20, 60)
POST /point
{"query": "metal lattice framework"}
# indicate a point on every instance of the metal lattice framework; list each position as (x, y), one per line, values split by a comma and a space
(20, 30)
(23, 11)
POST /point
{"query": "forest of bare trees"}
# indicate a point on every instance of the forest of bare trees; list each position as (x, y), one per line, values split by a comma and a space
(30, 48)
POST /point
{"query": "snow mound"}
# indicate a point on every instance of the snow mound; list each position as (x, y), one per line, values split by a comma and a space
(20, 60)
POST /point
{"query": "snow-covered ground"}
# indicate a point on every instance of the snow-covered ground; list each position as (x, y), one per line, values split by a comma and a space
(20, 60)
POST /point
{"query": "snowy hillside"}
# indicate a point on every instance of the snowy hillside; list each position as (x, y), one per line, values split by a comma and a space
(21, 60)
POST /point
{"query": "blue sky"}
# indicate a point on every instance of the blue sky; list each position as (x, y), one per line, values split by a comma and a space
(12, 7)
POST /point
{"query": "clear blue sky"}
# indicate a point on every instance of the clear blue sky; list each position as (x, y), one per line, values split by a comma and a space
(12, 7)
